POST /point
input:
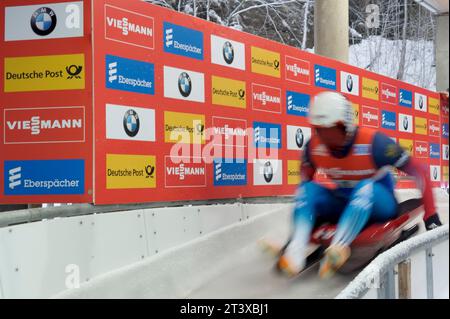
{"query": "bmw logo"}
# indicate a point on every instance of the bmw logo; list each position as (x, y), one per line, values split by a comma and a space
(349, 83)
(184, 84)
(435, 174)
(446, 153)
(43, 21)
(405, 123)
(421, 102)
(131, 123)
(268, 172)
(299, 138)
(228, 52)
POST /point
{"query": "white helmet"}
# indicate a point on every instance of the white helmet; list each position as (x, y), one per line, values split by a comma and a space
(328, 109)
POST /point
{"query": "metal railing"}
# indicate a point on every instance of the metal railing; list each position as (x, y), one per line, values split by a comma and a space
(380, 273)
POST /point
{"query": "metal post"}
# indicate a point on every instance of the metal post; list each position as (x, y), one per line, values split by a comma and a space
(387, 285)
(429, 265)
(404, 279)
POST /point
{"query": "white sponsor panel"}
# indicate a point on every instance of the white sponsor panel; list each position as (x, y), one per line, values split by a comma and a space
(130, 123)
(435, 173)
(297, 137)
(267, 172)
(349, 83)
(227, 52)
(44, 21)
(184, 84)
(445, 152)
(405, 123)
(420, 102)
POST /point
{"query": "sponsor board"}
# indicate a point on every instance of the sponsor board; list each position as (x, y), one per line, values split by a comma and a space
(407, 145)
(405, 98)
(183, 41)
(229, 131)
(226, 52)
(324, 77)
(124, 171)
(434, 128)
(130, 123)
(421, 149)
(129, 75)
(388, 94)
(44, 73)
(297, 137)
(356, 113)
(266, 98)
(435, 151)
(44, 21)
(420, 102)
(267, 172)
(44, 177)
(184, 128)
(433, 106)
(388, 120)
(370, 89)
(420, 125)
(293, 172)
(435, 173)
(129, 27)
(266, 135)
(445, 174)
(228, 92)
(182, 171)
(349, 83)
(445, 152)
(265, 62)
(445, 130)
(230, 172)
(184, 84)
(405, 123)
(44, 125)
(370, 116)
(298, 70)
(297, 103)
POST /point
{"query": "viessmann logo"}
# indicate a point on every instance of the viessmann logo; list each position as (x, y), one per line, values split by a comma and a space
(421, 149)
(184, 171)
(44, 73)
(44, 125)
(129, 27)
(370, 117)
(229, 131)
(298, 70)
(434, 128)
(388, 94)
(266, 98)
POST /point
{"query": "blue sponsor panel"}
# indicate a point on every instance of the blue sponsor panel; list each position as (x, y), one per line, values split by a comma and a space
(445, 130)
(388, 120)
(297, 103)
(130, 75)
(435, 151)
(183, 41)
(230, 172)
(325, 77)
(266, 135)
(405, 98)
(44, 177)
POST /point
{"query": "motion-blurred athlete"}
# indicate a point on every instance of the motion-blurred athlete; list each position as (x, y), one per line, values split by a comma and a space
(357, 160)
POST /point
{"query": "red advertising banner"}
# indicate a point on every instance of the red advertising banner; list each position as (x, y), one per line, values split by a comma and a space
(184, 109)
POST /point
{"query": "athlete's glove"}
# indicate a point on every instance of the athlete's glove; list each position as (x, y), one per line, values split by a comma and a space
(432, 222)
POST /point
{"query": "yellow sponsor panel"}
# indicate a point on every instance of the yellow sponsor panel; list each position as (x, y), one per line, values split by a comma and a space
(406, 145)
(356, 110)
(433, 106)
(420, 126)
(184, 128)
(130, 171)
(228, 92)
(293, 172)
(445, 173)
(266, 62)
(45, 73)
(370, 89)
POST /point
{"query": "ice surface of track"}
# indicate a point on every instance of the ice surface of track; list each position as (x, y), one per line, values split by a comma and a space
(225, 264)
